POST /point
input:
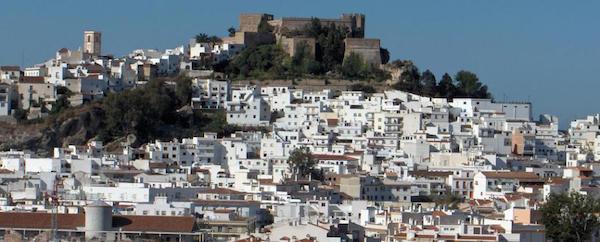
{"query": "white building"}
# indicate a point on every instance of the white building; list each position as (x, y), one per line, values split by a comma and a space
(248, 108)
(210, 94)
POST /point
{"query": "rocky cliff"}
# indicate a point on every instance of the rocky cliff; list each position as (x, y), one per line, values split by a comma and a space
(76, 126)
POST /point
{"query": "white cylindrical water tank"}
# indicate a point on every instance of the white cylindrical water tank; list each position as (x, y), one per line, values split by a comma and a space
(98, 219)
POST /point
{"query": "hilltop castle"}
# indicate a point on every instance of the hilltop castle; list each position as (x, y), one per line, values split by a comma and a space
(249, 33)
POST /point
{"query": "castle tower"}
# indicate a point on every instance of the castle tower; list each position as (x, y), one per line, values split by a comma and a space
(92, 42)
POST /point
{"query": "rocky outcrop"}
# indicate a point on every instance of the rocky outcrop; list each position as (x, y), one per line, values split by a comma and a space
(76, 127)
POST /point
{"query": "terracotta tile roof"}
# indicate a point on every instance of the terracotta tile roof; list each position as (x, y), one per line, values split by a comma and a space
(430, 173)
(223, 210)
(179, 224)
(332, 122)
(356, 152)
(431, 227)
(200, 170)
(30, 220)
(10, 68)
(557, 181)
(520, 175)
(478, 237)
(225, 203)
(32, 79)
(266, 182)
(333, 157)
(438, 213)
(483, 202)
(221, 190)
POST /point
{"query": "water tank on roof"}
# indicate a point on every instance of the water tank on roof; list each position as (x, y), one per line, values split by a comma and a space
(98, 219)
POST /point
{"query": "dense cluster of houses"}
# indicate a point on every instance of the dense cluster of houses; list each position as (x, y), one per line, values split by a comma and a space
(85, 74)
(394, 166)
(386, 159)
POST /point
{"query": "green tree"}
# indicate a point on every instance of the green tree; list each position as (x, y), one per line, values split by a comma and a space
(183, 89)
(205, 38)
(353, 67)
(218, 124)
(385, 55)
(60, 104)
(445, 87)
(263, 61)
(140, 111)
(302, 62)
(469, 86)
(20, 114)
(410, 79)
(329, 43)
(448, 199)
(570, 217)
(301, 161)
(231, 31)
(428, 83)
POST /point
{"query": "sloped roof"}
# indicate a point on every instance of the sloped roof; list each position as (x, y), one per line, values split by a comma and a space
(333, 157)
(30, 220)
(32, 79)
(511, 175)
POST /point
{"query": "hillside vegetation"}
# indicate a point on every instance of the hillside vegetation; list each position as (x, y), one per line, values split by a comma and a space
(155, 111)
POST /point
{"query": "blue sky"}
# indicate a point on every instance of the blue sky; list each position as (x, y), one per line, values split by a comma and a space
(546, 51)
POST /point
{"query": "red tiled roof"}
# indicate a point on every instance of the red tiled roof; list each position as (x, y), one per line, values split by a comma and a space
(179, 224)
(32, 79)
(266, 182)
(10, 68)
(29, 220)
(438, 213)
(332, 122)
(520, 175)
(333, 157)
(221, 190)
(225, 203)
(430, 173)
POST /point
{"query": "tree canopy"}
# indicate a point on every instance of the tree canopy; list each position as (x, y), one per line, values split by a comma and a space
(205, 38)
(231, 31)
(570, 217)
(262, 61)
(139, 111)
(183, 89)
(465, 83)
(301, 162)
(469, 86)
